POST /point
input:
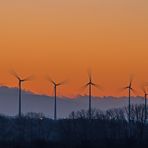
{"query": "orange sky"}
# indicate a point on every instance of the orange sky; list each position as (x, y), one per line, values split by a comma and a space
(65, 38)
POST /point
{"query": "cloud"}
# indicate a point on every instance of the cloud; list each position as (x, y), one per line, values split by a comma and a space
(44, 104)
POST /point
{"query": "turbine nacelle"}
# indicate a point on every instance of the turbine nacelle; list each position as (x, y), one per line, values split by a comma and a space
(56, 84)
(128, 87)
(91, 83)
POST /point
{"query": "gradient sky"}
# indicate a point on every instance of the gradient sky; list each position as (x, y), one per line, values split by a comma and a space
(65, 38)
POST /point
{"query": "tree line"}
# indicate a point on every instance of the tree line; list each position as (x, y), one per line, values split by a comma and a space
(108, 128)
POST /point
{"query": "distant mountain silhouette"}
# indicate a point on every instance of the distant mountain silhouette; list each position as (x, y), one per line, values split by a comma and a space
(41, 103)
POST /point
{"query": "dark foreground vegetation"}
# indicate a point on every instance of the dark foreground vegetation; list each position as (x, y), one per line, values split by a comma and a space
(105, 129)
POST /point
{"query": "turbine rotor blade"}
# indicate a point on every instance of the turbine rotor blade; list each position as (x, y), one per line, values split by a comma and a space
(134, 91)
(15, 74)
(89, 76)
(81, 89)
(61, 83)
(131, 81)
(97, 86)
(84, 86)
(51, 81)
(127, 87)
(29, 78)
(143, 89)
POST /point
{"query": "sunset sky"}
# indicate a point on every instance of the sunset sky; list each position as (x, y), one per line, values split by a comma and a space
(66, 38)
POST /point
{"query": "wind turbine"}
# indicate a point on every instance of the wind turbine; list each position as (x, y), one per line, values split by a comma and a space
(20, 81)
(55, 85)
(145, 102)
(90, 84)
(129, 88)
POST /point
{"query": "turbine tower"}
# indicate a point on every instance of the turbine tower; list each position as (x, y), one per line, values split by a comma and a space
(20, 81)
(55, 85)
(145, 103)
(129, 88)
(90, 84)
